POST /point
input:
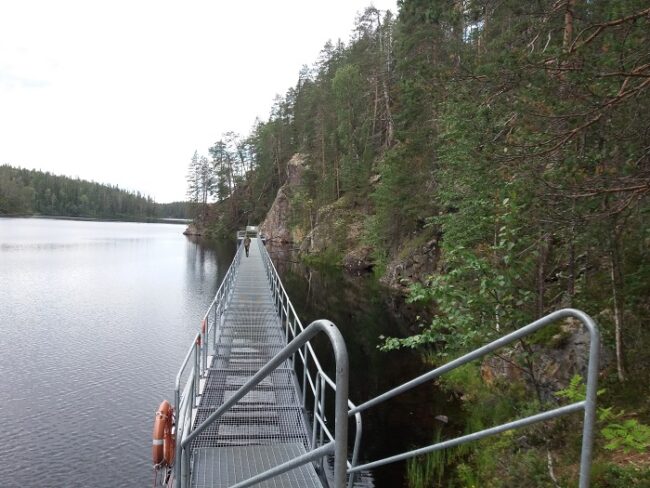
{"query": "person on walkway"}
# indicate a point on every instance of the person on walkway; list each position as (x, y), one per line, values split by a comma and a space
(247, 244)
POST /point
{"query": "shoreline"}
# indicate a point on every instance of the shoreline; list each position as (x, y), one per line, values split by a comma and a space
(151, 220)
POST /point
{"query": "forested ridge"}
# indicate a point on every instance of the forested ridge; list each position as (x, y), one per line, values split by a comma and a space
(28, 192)
(511, 141)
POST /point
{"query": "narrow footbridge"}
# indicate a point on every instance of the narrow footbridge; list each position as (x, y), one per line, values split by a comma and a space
(254, 407)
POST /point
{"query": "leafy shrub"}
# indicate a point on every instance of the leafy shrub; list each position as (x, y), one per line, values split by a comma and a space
(627, 435)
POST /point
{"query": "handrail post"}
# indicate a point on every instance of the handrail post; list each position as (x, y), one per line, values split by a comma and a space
(591, 393)
(185, 470)
(204, 344)
(305, 367)
(340, 409)
(357, 445)
(322, 410)
(177, 411)
(197, 373)
(315, 423)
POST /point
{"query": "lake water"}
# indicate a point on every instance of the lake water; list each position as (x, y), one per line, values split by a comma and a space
(95, 318)
(364, 311)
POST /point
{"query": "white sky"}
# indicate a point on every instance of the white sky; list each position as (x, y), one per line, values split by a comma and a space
(123, 91)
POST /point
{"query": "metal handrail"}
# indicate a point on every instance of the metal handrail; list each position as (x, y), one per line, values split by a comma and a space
(339, 447)
(588, 405)
(316, 381)
(216, 307)
(293, 326)
(198, 353)
(202, 337)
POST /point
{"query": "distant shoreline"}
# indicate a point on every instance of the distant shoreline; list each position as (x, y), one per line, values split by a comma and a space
(152, 220)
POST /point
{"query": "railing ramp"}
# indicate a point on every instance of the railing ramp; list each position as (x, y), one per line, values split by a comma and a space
(250, 395)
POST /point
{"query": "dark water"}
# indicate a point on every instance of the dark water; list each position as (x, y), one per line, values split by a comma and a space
(95, 318)
(364, 311)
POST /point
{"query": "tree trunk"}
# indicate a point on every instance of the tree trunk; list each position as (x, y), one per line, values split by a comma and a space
(338, 187)
(617, 281)
(374, 110)
(322, 146)
(568, 25)
(571, 265)
(544, 245)
(390, 130)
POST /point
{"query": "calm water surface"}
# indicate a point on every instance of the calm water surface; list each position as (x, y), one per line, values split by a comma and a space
(95, 318)
(364, 311)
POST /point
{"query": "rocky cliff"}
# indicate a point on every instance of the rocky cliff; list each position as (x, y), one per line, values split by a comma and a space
(276, 224)
(336, 234)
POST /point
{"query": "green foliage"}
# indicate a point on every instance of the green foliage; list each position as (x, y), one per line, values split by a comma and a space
(329, 258)
(576, 390)
(609, 475)
(621, 434)
(25, 191)
(401, 200)
(628, 435)
(432, 469)
(469, 315)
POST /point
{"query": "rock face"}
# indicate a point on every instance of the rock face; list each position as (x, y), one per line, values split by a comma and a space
(193, 230)
(338, 231)
(358, 260)
(276, 223)
(328, 229)
(554, 363)
(411, 265)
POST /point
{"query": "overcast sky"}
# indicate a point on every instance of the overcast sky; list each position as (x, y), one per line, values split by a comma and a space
(123, 92)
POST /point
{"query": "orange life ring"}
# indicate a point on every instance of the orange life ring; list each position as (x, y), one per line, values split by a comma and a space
(164, 444)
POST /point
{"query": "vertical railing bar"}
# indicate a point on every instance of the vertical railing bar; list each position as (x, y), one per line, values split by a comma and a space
(323, 386)
(590, 398)
(205, 343)
(315, 422)
(197, 375)
(293, 335)
(305, 363)
(357, 445)
(285, 323)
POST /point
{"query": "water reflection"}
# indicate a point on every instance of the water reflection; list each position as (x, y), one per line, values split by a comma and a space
(95, 318)
(361, 309)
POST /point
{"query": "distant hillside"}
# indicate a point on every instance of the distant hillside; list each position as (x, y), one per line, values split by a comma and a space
(24, 191)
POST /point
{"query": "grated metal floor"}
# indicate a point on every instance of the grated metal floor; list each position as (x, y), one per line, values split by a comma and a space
(217, 469)
(267, 426)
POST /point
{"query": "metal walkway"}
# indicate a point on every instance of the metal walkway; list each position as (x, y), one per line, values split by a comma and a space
(253, 407)
(267, 426)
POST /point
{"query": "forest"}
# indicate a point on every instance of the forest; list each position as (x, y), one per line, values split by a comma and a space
(516, 137)
(29, 192)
